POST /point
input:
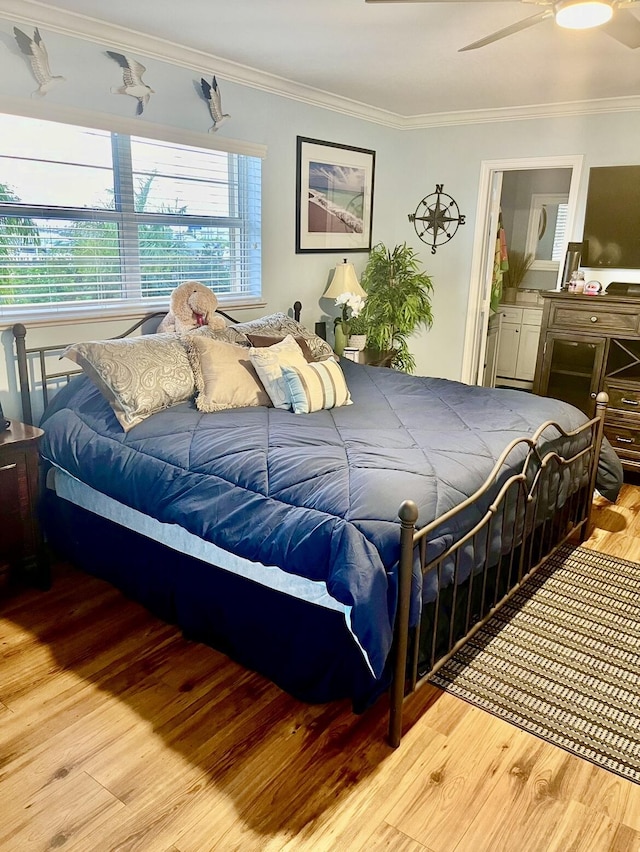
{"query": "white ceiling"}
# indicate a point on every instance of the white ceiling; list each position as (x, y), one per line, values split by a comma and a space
(399, 57)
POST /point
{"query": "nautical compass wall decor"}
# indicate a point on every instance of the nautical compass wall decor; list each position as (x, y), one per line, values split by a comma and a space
(437, 218)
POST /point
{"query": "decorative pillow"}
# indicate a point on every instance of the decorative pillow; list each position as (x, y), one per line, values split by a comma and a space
(224, 375)
(137, 375)
(316, 386)
(262, 340)
(278, 325)
(269, 361)
(227, 335)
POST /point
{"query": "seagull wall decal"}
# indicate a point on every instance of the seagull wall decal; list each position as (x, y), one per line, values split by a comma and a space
(134, 85)
(39, 59)
(211, 94)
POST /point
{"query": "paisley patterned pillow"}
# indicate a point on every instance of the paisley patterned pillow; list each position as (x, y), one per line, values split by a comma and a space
(137, 375)
(279, 325)
(226, 335)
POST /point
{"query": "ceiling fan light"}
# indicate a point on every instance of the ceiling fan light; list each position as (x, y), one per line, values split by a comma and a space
(583, 14)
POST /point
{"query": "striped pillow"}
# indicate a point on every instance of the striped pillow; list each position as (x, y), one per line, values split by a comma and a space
(318, 385)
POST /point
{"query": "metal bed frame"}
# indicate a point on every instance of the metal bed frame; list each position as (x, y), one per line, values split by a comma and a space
(540, 527)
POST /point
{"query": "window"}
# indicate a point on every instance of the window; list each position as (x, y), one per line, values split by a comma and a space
(89, 217)
(546, 233)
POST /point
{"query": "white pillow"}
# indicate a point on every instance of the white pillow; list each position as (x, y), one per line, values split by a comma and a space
(268, 362)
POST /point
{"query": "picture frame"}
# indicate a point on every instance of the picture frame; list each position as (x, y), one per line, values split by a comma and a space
(334, 196)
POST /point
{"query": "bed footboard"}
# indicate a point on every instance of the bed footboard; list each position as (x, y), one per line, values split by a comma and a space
(518, 519)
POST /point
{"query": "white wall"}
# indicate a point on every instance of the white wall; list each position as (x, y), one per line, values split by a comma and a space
(409, 163)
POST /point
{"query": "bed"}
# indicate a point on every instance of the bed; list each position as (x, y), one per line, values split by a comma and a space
(343, 553)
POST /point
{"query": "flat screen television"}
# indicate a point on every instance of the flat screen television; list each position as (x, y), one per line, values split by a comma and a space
(612, 218)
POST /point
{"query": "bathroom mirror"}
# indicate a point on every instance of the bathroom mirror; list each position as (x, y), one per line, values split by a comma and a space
(546, 239)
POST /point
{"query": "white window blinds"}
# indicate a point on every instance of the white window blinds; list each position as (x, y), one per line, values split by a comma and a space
(88, 216)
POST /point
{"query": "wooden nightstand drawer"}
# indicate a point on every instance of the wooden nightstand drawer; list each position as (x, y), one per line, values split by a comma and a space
(10, 512)
(20, 539)
(595, 316)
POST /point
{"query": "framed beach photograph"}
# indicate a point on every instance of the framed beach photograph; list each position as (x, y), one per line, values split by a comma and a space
(334, 196)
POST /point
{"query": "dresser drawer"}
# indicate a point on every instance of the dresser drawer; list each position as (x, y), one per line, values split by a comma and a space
(624, 439)
(595, 317)
(623, 397)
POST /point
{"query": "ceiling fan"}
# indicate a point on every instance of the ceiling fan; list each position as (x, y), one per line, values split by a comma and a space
(611, 15)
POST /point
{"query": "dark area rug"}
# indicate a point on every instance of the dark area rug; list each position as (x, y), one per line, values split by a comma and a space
(562, 659)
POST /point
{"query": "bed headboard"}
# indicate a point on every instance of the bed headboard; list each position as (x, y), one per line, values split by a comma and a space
(148, 324)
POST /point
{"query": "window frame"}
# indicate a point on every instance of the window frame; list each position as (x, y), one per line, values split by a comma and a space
(135, 305)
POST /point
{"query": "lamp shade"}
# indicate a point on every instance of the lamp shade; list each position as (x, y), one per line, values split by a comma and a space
(344, 280)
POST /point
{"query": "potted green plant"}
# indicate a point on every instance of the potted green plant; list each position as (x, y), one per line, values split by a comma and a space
(519, 264)
(398, 303)
(351, 305)
(358, 332)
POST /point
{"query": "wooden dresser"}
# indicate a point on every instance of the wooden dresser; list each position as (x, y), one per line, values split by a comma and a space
(589, 344)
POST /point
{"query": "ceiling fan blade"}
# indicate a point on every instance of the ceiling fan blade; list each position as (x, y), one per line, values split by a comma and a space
(624, 27)
(507, 31)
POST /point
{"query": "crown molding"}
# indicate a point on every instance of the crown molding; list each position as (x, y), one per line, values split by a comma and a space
(116, 37)
(523, 113)
(119, 38)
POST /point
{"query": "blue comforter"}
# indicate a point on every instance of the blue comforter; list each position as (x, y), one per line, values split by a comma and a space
(318, 494)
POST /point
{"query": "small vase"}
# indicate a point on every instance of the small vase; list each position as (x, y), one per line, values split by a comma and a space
(358, 341)
(510, 295)
(342, 335)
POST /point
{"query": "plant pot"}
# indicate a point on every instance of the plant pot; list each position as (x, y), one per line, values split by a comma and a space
(358, 341)
(379, 358)
(340, 339)
(510, 295)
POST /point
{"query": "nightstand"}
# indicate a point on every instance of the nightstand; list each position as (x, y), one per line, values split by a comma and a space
(374, 358)
(21, 546)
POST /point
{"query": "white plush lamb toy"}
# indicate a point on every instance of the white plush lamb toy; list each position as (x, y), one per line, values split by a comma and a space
(192, 305)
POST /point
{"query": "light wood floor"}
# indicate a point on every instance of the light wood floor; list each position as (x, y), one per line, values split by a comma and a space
(117, 734)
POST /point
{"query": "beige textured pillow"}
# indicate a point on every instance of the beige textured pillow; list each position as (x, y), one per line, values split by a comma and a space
(224, 375)
(137, 375)
(269, 361)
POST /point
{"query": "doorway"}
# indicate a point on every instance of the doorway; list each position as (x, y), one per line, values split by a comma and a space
(479, 326)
